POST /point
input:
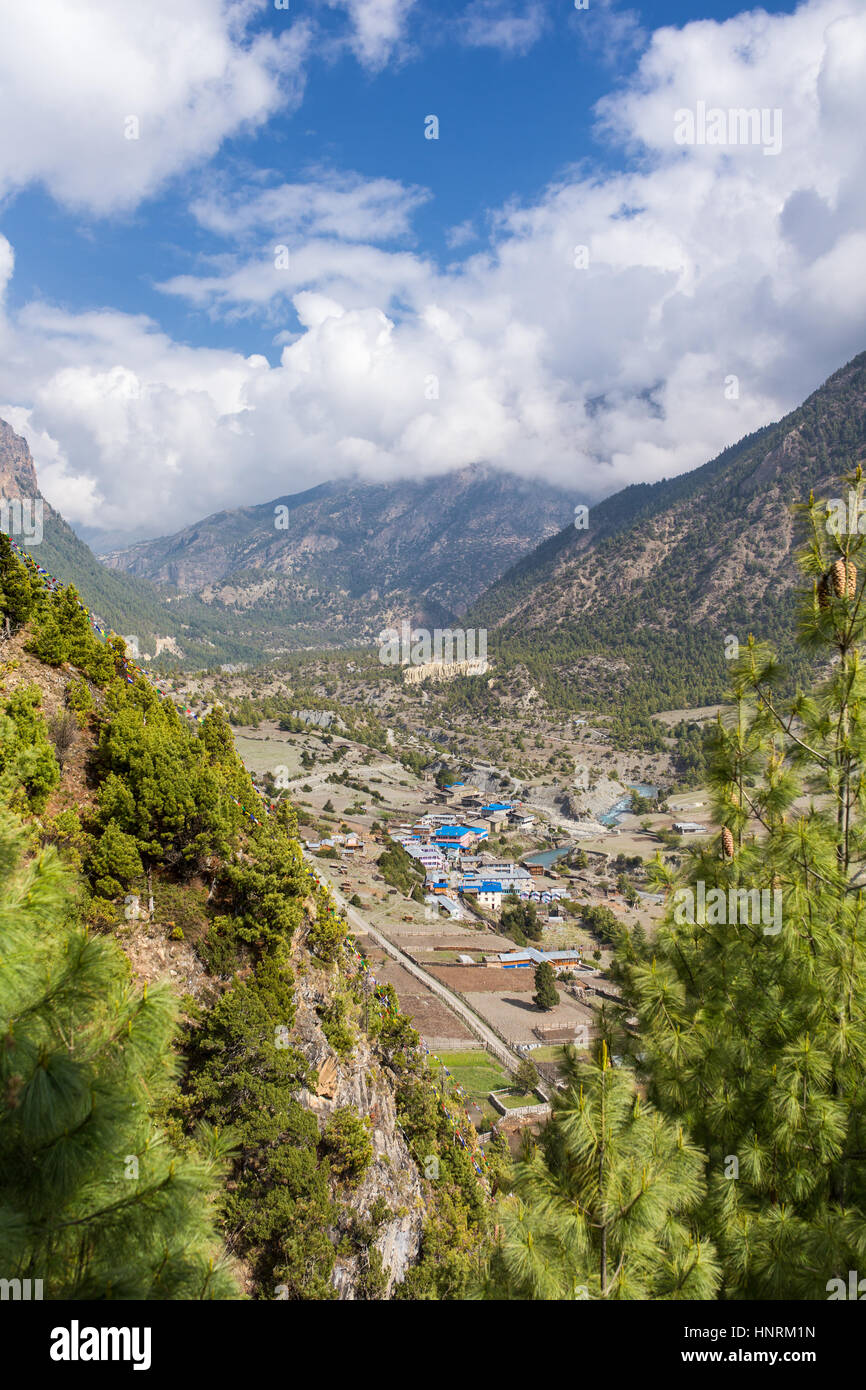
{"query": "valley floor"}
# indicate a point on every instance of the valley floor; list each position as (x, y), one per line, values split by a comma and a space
(436, 961)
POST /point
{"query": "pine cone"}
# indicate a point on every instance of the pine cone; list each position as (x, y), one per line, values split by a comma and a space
(824, 591)
(727, 844)
(844, 578)
(13, 1087)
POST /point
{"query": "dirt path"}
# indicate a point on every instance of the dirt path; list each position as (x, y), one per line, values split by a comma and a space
(453, 1001)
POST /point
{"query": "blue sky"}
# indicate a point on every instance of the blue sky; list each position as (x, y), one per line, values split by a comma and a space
(511, 121)
(162, 366)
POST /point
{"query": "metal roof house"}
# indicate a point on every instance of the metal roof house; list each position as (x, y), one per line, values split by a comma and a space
(486, 891)
(522, 960)
(460, 835)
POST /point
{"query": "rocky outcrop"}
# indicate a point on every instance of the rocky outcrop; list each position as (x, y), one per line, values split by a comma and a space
(443, 670)
(17, 473)
(361, 1082)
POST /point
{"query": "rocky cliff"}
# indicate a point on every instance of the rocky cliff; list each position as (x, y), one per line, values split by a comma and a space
(17, 473)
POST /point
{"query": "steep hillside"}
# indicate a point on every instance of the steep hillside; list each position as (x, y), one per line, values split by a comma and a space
(348, 558)
(637, 606)
(305, 1088)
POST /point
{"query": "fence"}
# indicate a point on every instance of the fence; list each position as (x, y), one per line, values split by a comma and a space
(540, 1109)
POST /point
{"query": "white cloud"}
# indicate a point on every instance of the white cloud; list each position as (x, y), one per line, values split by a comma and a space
(357, 274)
(703, 262)
(73, 73)
(614, 34)
(7, 265)
(461, 235)
(497, 24)
(335, 204)
(378, 28)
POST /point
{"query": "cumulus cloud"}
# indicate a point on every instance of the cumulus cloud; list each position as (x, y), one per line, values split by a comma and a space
(592, 342)
(108, 100)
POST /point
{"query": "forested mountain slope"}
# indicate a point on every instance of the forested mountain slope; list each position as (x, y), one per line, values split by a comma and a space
(231, 1110)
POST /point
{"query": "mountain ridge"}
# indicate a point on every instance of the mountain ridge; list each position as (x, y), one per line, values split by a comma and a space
(358, 555)
(665, 571)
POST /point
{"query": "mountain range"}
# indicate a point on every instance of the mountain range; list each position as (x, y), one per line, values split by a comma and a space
(639, 603)
(330, 566)
(343, 560)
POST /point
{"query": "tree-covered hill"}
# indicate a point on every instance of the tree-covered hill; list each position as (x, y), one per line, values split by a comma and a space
(201, 1095)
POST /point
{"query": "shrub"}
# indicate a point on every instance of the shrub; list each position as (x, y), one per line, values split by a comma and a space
(79, 699)
(347, 1144)
(62, 728)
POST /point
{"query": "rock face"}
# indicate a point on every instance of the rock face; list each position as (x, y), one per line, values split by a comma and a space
(443, 671)
(17, 473)
(361, 1082)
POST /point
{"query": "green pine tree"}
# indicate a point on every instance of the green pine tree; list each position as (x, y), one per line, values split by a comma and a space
(751, 1009)
(606, 1208)
(28, 766)
(16, 594)
(546, 994)
(94, 1201)
(114, 862)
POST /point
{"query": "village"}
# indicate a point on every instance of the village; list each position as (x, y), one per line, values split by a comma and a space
(438, 925)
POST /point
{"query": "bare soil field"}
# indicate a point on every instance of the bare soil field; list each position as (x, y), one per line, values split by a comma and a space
(424, 942)
(515, 1016)
(433, 1019)
(473, 979)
